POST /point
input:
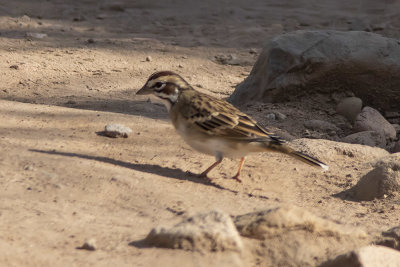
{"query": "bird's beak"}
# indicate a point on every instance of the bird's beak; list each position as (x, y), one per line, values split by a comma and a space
(145, 90)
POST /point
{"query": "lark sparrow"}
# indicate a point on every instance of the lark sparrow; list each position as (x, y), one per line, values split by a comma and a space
(214, 126)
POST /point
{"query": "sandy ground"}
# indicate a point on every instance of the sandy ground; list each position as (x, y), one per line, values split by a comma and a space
(62, 183)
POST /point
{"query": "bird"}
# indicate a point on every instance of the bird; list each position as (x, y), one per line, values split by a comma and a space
(213, 126)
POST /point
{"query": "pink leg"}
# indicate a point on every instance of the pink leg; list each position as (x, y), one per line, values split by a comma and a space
(204, 174)
(236, 177)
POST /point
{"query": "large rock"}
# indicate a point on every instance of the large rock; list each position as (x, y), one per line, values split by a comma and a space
(383, 179)
(371, 120)
(292, 236)
(368, 256)
(302, 62)
(212, 231)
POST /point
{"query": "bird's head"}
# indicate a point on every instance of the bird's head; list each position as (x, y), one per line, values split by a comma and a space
(165, 85)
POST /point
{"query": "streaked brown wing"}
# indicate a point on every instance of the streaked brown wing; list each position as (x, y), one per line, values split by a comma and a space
(220, 118)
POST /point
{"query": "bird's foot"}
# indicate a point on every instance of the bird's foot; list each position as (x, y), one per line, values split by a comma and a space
(204, 176)
(236, 177)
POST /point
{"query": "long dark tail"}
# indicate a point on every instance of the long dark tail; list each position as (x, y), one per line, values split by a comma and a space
(282, 147)
(308, 159)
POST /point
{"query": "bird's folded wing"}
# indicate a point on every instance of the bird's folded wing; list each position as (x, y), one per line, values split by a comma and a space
(226, 121)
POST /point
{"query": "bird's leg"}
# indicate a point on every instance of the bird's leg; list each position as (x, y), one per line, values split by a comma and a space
(204, 174)
(236, 177)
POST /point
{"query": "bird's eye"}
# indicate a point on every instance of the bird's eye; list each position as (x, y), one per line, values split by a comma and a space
(159, 85)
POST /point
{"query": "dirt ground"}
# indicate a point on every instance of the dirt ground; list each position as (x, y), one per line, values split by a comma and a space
(62, 183)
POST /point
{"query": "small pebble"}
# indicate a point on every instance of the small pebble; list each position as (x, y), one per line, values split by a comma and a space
(148, 58)
(279, 116)
(90, 41)
(15, 67)
(117, 130)
(89, 245)
(271, 116)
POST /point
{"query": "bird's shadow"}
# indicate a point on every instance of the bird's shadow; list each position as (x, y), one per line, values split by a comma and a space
(149, 168)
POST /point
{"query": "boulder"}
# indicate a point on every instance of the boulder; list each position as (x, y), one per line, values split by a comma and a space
(302, 62)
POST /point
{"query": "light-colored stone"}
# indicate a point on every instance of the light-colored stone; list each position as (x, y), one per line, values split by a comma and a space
(301, 62)
(368, 138)
(117, 130)
(383, 179)
(212, 231)
(368, 256)
(349, 108)
(371, 120)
